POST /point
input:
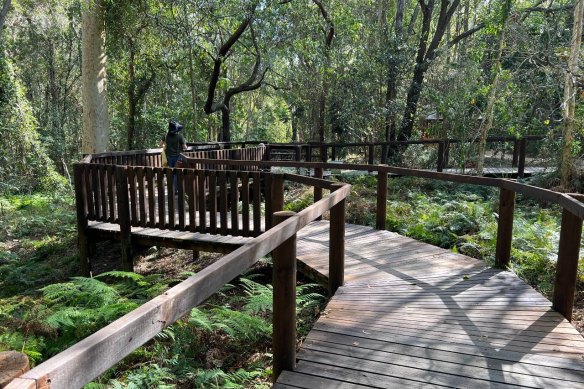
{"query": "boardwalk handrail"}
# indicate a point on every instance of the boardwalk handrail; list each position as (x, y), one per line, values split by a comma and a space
(570, 233)
(274, 150)
(92, 356)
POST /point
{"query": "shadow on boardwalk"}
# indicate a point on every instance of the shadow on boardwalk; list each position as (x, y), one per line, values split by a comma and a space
(414, 315)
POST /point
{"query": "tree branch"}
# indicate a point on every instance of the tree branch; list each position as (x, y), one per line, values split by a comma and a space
(210, 107)
(466, 34)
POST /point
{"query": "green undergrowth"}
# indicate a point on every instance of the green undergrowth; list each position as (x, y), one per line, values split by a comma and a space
(45, 309)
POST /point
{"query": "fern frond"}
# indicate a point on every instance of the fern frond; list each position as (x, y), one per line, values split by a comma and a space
(121, 275)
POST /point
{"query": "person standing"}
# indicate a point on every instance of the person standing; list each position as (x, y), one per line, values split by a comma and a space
(175, 144)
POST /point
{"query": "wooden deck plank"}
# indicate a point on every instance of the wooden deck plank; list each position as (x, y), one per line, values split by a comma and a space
(411, 314)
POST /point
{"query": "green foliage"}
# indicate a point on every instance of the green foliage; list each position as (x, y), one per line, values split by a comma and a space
(24, 164)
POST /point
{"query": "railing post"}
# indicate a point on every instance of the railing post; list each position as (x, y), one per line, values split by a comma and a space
(370, 154)
(521, 163)
(323, 153)
(124, 217)
(505, 228)
(284, 304)
(337, 245)
(334, 152)
(80, 204)
(318, 173)
(381, 210)
(277, 194)
(515, 153)
(567, 265)
(384, 154)
(308, 153)
(440, 162)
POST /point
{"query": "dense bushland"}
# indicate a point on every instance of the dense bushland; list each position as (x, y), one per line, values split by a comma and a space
(225, 342)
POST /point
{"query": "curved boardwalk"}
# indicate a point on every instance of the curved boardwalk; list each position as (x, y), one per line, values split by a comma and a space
(413, 315)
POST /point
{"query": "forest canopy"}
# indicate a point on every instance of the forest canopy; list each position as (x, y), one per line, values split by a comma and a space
(281, 71)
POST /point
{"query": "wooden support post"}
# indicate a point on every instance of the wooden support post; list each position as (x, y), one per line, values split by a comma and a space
(323, 153)
(446, 154)
(515, 153)
(124, 217)
(370, 154)
(521, 162)
(268, 153)
(334, 153)
(337, 246)
(80, 205)
(567, 265)
(277, 194)
(318, 173)
(297, 153)
(381, 210)
(284, 304)
(384, 154)
(196, 255)
(440, 162)
(505, 228)
(308, 153)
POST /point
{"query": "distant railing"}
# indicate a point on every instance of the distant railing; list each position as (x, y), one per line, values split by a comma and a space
(381, 152)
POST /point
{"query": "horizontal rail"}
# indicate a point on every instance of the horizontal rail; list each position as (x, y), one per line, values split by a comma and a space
(95, 354)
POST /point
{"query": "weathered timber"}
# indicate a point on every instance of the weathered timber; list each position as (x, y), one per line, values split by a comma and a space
(337, 245)
(567, 264)
(284, 303)
(381, 209)
(505, 228)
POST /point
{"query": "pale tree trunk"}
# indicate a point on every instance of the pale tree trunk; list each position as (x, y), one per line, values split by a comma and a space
(487, 122)
(570, 95)
(3, 13)
(95, 114)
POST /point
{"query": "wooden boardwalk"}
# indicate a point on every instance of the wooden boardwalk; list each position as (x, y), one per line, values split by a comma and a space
(413, 315)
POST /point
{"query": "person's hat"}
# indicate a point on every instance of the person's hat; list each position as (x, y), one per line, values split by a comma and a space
(174, 126)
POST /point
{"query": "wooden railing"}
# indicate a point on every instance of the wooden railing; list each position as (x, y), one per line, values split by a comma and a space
(378, 152)
(84, 361)
(246, 154)
(570, 233)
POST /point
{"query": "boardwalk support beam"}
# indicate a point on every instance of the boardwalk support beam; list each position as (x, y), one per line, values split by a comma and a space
(505, 228)
(284, 304)
(567, 265)
(337, 245)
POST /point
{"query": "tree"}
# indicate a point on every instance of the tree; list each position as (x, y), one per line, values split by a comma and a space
(427, 52)
(3, 13)
(487, 122)
(253, 82)
(569, 103)
(95, 112)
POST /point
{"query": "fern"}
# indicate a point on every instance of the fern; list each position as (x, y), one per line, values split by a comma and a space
(81, 291)
(260, 297)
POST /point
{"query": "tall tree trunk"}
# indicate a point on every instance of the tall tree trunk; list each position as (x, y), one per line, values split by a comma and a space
(193, 92)
(392, 73)
(487, 122)
(3, 13)
(93, 71)
(131, 125)
(425, 55)
(570, 95)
